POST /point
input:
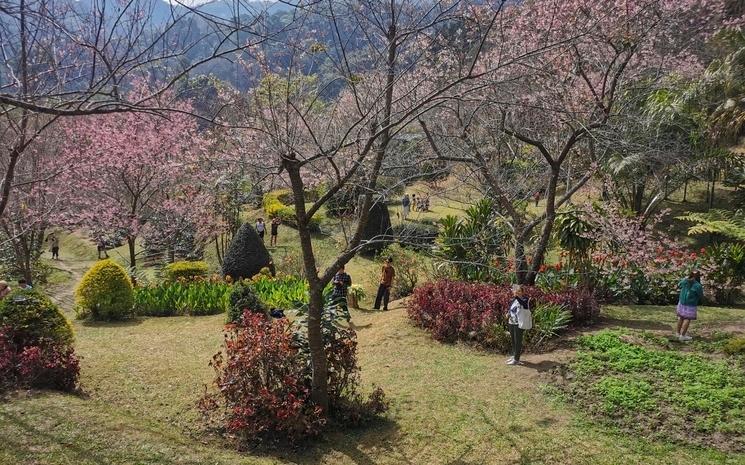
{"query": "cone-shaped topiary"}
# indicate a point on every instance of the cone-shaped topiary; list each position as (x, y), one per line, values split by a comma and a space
(378, 228)
(31, 317)
(246, 255)
(105, 292)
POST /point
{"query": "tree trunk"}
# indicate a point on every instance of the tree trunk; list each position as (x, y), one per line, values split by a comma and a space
(685, 191)
(132, 255)
(319, 388)
(548, 227)
(319, 391)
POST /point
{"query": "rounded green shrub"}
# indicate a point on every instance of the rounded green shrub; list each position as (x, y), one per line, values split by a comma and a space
(105, 292)
(187, 270)
(32, 317)
(244, 298)
(246, 255)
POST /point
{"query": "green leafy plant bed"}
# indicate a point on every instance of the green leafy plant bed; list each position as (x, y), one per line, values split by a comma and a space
(205, 297)
(657, 391)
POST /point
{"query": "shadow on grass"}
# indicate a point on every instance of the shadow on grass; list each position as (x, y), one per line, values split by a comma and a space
(112, 324)
(380, 435)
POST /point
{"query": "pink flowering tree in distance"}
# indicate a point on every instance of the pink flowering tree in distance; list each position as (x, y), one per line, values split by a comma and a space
(522, 129)
(128, 168)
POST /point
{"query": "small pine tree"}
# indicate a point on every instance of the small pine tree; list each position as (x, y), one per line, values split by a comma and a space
(378, 228)
(246, 255)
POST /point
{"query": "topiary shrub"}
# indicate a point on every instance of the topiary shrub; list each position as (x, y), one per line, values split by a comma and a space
(417, 236)
(32, 317)
(105, 292)
(246, 255)
(242, 299)
(378, 228)
(185, 270)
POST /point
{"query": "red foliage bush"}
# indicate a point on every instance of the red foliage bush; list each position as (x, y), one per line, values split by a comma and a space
(49, 366)
(263, 381)
(456, 310)
(44, 365)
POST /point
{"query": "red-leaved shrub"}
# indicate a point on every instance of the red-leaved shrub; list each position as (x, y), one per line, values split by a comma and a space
(263, 382)
(45, 365)
(456, 310)
(49, 366)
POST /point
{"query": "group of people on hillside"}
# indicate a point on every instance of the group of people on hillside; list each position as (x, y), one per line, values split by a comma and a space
(5, 288)
(342, 281)
(414, 203)
(274, 230)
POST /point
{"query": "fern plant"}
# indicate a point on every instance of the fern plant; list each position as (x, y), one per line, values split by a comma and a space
(730, 224)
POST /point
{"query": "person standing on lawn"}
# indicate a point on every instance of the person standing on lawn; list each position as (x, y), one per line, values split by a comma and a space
(519, 319)
(261, 228)
(406, 206)
(53, 242)
(691, 293)
(341, 282)
(275, 231)
(386, 281)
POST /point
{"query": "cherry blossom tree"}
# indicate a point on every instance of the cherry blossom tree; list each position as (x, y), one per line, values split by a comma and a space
(552, 108)
(131, 167)
(340, 124)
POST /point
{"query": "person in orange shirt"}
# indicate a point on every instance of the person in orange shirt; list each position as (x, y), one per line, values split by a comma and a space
(386, 281)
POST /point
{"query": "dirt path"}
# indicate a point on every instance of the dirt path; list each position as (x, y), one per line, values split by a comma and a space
(63, 293)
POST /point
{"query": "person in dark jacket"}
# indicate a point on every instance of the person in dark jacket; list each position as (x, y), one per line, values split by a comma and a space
(691, 293)
(519, 303)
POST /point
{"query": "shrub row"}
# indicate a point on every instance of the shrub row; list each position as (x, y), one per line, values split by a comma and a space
(273, 206)
(456, 310)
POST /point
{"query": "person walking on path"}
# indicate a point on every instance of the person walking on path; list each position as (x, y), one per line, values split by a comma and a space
(386, 281)
(261, 228)
(341, 282)
(53, 242)
(275, 231)
(413, 202)
(101, 247)
(691, 293)
(406, 206)
(519, 319)
(4, 289)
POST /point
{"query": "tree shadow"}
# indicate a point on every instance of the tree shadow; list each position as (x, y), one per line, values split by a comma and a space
(353, 443)
(113, 324)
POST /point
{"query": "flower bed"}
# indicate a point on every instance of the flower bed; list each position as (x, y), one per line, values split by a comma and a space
(456, 310)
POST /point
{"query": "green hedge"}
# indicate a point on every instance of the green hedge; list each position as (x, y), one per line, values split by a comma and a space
(273, 206)
(188, 270)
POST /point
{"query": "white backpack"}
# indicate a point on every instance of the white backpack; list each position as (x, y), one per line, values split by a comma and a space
(524, 318)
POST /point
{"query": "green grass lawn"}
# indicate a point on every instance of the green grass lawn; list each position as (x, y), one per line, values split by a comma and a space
(450, 404)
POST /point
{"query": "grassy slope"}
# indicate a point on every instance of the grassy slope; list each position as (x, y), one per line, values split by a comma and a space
(451, 404)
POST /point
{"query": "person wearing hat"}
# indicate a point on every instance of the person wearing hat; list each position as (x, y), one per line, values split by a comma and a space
(4, 289)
